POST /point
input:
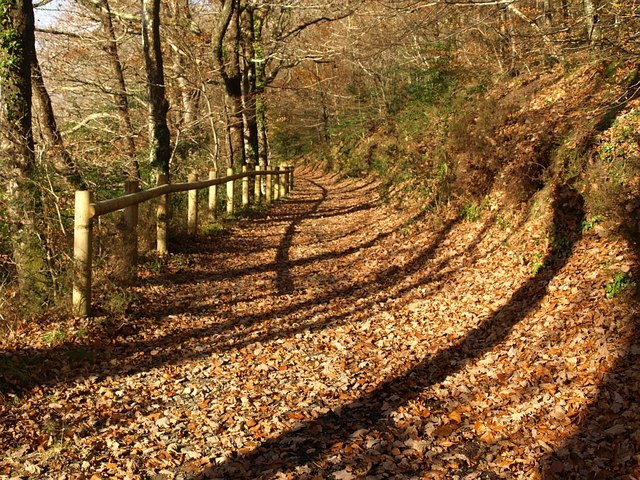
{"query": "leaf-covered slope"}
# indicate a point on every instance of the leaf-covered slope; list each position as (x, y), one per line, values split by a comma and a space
(336, 338)
(509, 142)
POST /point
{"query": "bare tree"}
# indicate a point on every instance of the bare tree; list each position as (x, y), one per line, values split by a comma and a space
(120, 92)
(55, 147)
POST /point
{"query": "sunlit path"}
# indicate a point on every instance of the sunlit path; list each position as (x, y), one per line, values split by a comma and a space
(333, 336)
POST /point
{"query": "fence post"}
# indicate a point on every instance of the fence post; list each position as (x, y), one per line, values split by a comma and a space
(192, 207)
(276, 184)
(130, 233)
(284, 181)
(291, 184)
(82, 251)
(230, 192)
(257, 186)
(162, 214)
(268, 191)
(245, 187)
(213, 197)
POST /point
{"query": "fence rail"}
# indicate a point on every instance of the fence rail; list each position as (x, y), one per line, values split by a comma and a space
(277, 184)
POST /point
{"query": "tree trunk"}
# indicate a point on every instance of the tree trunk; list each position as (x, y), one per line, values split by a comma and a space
(263, 139)
(260, 86)
(233, 93)
(249, 85)
(324, 103)
(228, 59)
(120, 94)
(591, 24)
(178, 39)
(17, 159)
(160, 138)
(565, 11)
(55, 148)
(188, 96)
(547, 13)
(507, 44)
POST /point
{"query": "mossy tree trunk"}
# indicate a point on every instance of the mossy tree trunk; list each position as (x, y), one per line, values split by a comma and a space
(22, 202)
(227, 56)
(160, 137)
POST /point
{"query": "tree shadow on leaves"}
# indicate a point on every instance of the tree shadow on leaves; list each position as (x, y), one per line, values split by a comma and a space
(284, 282)
(606, 442)
(66, 361)
(312, 441)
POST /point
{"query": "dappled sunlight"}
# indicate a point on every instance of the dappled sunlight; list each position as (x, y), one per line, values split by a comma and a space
(430, 349)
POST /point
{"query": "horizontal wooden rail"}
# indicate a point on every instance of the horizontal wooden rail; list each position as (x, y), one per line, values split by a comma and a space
(86, 209)
(120, 203)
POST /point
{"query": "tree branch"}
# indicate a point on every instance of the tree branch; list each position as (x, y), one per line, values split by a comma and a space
(52, 31)
(217, 36)
(97, 7)
(93, 116)
(315, 21)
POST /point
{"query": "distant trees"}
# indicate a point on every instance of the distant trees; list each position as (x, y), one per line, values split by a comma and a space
(237, 49)
(218, 77)
(386, 50)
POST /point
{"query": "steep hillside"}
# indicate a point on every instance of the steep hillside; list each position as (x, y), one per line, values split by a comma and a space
(508, 146)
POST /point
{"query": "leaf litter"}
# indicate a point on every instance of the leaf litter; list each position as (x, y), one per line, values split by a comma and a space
(335, 337)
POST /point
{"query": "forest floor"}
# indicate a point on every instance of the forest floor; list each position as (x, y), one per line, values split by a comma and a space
(336, 337)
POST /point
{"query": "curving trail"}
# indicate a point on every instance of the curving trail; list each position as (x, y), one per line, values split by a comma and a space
(334, 337)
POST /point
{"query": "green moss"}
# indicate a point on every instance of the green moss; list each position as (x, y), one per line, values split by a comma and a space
(10, 41)
(472, 211)
(11, 63)
(620, 282)
(33, 271)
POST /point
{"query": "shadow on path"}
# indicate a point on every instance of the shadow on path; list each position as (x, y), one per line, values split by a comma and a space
(313, 439)
(606, 444)
(284, 282)
(68, 361)
(112, 353)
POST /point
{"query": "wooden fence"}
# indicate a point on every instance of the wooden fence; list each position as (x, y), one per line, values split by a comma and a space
(277, 183)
